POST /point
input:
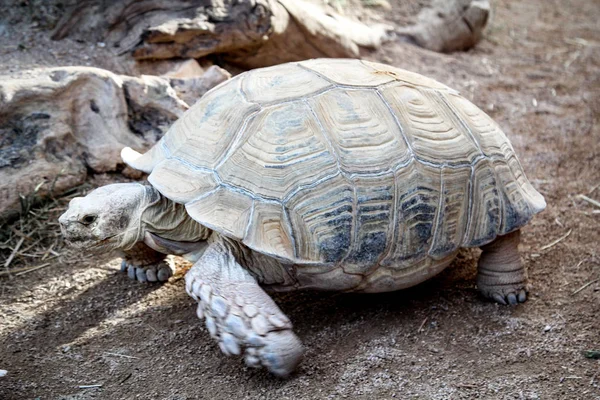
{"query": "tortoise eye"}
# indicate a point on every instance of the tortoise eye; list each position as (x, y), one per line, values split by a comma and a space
(88, 219)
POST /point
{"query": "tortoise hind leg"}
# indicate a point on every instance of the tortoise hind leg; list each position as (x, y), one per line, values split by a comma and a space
(501, 276)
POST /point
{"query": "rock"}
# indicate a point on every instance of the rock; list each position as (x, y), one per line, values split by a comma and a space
(191, 89)
(248, 33)
(58, 123)
(449, 25)
(175, 68)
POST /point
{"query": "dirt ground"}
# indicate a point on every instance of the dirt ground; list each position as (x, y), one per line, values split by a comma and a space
(537, 72)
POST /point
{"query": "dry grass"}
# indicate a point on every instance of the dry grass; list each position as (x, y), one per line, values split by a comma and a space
(29, 242)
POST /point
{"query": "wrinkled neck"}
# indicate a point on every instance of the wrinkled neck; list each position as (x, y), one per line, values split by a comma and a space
(170, 220)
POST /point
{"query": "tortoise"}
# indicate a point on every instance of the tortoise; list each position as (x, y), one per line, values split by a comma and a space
(327, 174)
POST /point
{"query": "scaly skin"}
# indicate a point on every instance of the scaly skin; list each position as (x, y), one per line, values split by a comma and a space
(121, 216)
(501, 275)
(239, 314)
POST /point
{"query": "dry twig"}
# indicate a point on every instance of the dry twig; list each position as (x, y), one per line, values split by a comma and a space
(555, 242)
(14, 252)
(585, 286)
(119, 355)
(591, 201)
(28, 270)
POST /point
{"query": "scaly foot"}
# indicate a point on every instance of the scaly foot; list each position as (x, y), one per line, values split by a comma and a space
(160, 272)
(508, 295)
(258, 330)
(239, 314)
(501, 275)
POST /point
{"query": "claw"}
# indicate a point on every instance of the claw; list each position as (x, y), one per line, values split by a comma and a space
(140, 275)
(522, 296)
(164, 274)
(499, 298)
(151, 275)
(512, 299)
(131, 272)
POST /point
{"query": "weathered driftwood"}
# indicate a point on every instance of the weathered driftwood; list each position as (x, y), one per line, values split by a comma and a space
(55, 124)
(250, 33)
(257, 33)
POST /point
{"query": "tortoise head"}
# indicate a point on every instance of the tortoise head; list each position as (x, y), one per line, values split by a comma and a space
(106, 219)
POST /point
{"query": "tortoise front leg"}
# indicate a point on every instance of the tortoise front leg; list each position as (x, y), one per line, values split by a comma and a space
(145, 264)
(501, 275)
(240, 315)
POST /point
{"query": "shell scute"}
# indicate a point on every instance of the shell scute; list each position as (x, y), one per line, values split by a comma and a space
(432, 132)
(373, 218)
(180, 182)
(281, 83)
(322, 220)
(284, 148)
(364, 135)
(491, 139)
(348, 72)
(453, 213)
(270, 231)
(417, 201)
(209, 126)
(486, 205)
(224, 210)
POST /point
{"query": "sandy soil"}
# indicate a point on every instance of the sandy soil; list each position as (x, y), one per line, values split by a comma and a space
(537, 72)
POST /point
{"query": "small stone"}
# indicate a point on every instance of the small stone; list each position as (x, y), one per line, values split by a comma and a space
(231, 344)
(260, 324)
(219, 306)
(547, 328)
(250, 310)
(3, 373)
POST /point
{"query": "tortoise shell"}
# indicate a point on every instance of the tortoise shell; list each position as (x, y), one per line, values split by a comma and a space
(329, 161)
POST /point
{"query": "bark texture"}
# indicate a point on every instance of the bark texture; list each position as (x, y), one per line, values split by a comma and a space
(258, 33)
(248, 33)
